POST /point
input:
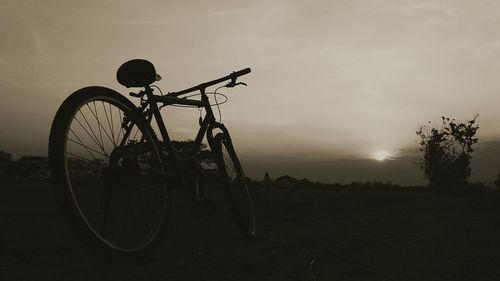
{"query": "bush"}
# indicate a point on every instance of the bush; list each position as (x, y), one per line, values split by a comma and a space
(446, 154)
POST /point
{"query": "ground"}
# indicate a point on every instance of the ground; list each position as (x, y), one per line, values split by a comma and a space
(346, 235)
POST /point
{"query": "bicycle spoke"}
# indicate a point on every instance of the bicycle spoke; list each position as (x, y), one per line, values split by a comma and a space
(101, 126)
(78, 121)
(88, 148)
(109, 125)
(93, 133)
(98, 121)
(121, 126)
(112, 123)
(229, 165)
(79, 157)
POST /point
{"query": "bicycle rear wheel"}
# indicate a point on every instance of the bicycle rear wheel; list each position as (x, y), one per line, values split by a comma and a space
(107, 173)
(235, 185)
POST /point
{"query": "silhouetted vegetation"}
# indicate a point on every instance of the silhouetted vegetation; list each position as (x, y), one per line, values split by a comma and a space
(26, 169)
(446, 154)
(33, 169)
(290, 183)
(7, 167)
(5, 157)
(204, 155)
(497, 182)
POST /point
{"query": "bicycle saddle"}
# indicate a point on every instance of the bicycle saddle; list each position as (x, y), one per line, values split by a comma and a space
(137, 73)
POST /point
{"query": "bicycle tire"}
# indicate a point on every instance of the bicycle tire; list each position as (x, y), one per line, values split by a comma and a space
(234, 184)
(132, 159)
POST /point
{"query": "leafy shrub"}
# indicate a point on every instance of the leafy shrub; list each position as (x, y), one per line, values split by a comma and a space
(446, 154)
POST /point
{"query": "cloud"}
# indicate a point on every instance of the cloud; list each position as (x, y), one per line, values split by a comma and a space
(331, 79)
(403, 169)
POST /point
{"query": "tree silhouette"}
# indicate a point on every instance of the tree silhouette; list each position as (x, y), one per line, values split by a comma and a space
(33, 168)
(5, 157)
(446, 153)
(497, 182)
(7, 167)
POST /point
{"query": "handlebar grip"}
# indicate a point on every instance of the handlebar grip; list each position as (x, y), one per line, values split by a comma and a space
(242, 72)
(203, 86)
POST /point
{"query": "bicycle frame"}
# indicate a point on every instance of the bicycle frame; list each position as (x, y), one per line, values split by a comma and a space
(208, 124)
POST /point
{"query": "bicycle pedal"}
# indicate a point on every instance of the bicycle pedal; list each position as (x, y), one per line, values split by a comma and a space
(203, 208)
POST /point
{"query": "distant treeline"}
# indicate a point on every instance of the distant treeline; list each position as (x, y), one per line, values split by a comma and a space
(288, 182)
(34, 169)
(25, 169)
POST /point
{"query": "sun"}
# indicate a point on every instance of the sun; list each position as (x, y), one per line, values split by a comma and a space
(380, 155)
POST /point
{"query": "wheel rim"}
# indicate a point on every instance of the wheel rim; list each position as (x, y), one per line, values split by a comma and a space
(114, 176)
(238, 190)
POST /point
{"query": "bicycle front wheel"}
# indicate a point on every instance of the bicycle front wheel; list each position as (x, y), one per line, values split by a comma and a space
(107, 173)
(235, 185)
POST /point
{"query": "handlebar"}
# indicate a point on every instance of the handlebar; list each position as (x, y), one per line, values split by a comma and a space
(242, 72)
(233, 76)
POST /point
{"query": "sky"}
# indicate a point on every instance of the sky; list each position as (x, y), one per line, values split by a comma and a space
(334, 85)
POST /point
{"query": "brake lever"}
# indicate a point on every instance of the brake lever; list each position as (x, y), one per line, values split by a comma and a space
(233, 84)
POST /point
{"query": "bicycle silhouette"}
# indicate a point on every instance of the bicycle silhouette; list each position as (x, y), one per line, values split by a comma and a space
(112, 175)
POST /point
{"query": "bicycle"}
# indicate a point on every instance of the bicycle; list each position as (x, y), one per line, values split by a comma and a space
(113, 177)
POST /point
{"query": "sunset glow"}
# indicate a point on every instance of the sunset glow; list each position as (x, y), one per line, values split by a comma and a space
(350, 80)
(381, 155)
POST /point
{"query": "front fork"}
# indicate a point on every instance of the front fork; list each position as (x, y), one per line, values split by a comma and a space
(210, 137)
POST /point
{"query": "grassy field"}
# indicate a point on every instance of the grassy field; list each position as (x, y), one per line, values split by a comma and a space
(350, 235)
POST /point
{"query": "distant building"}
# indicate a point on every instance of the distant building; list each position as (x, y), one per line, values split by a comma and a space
(286, 182)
